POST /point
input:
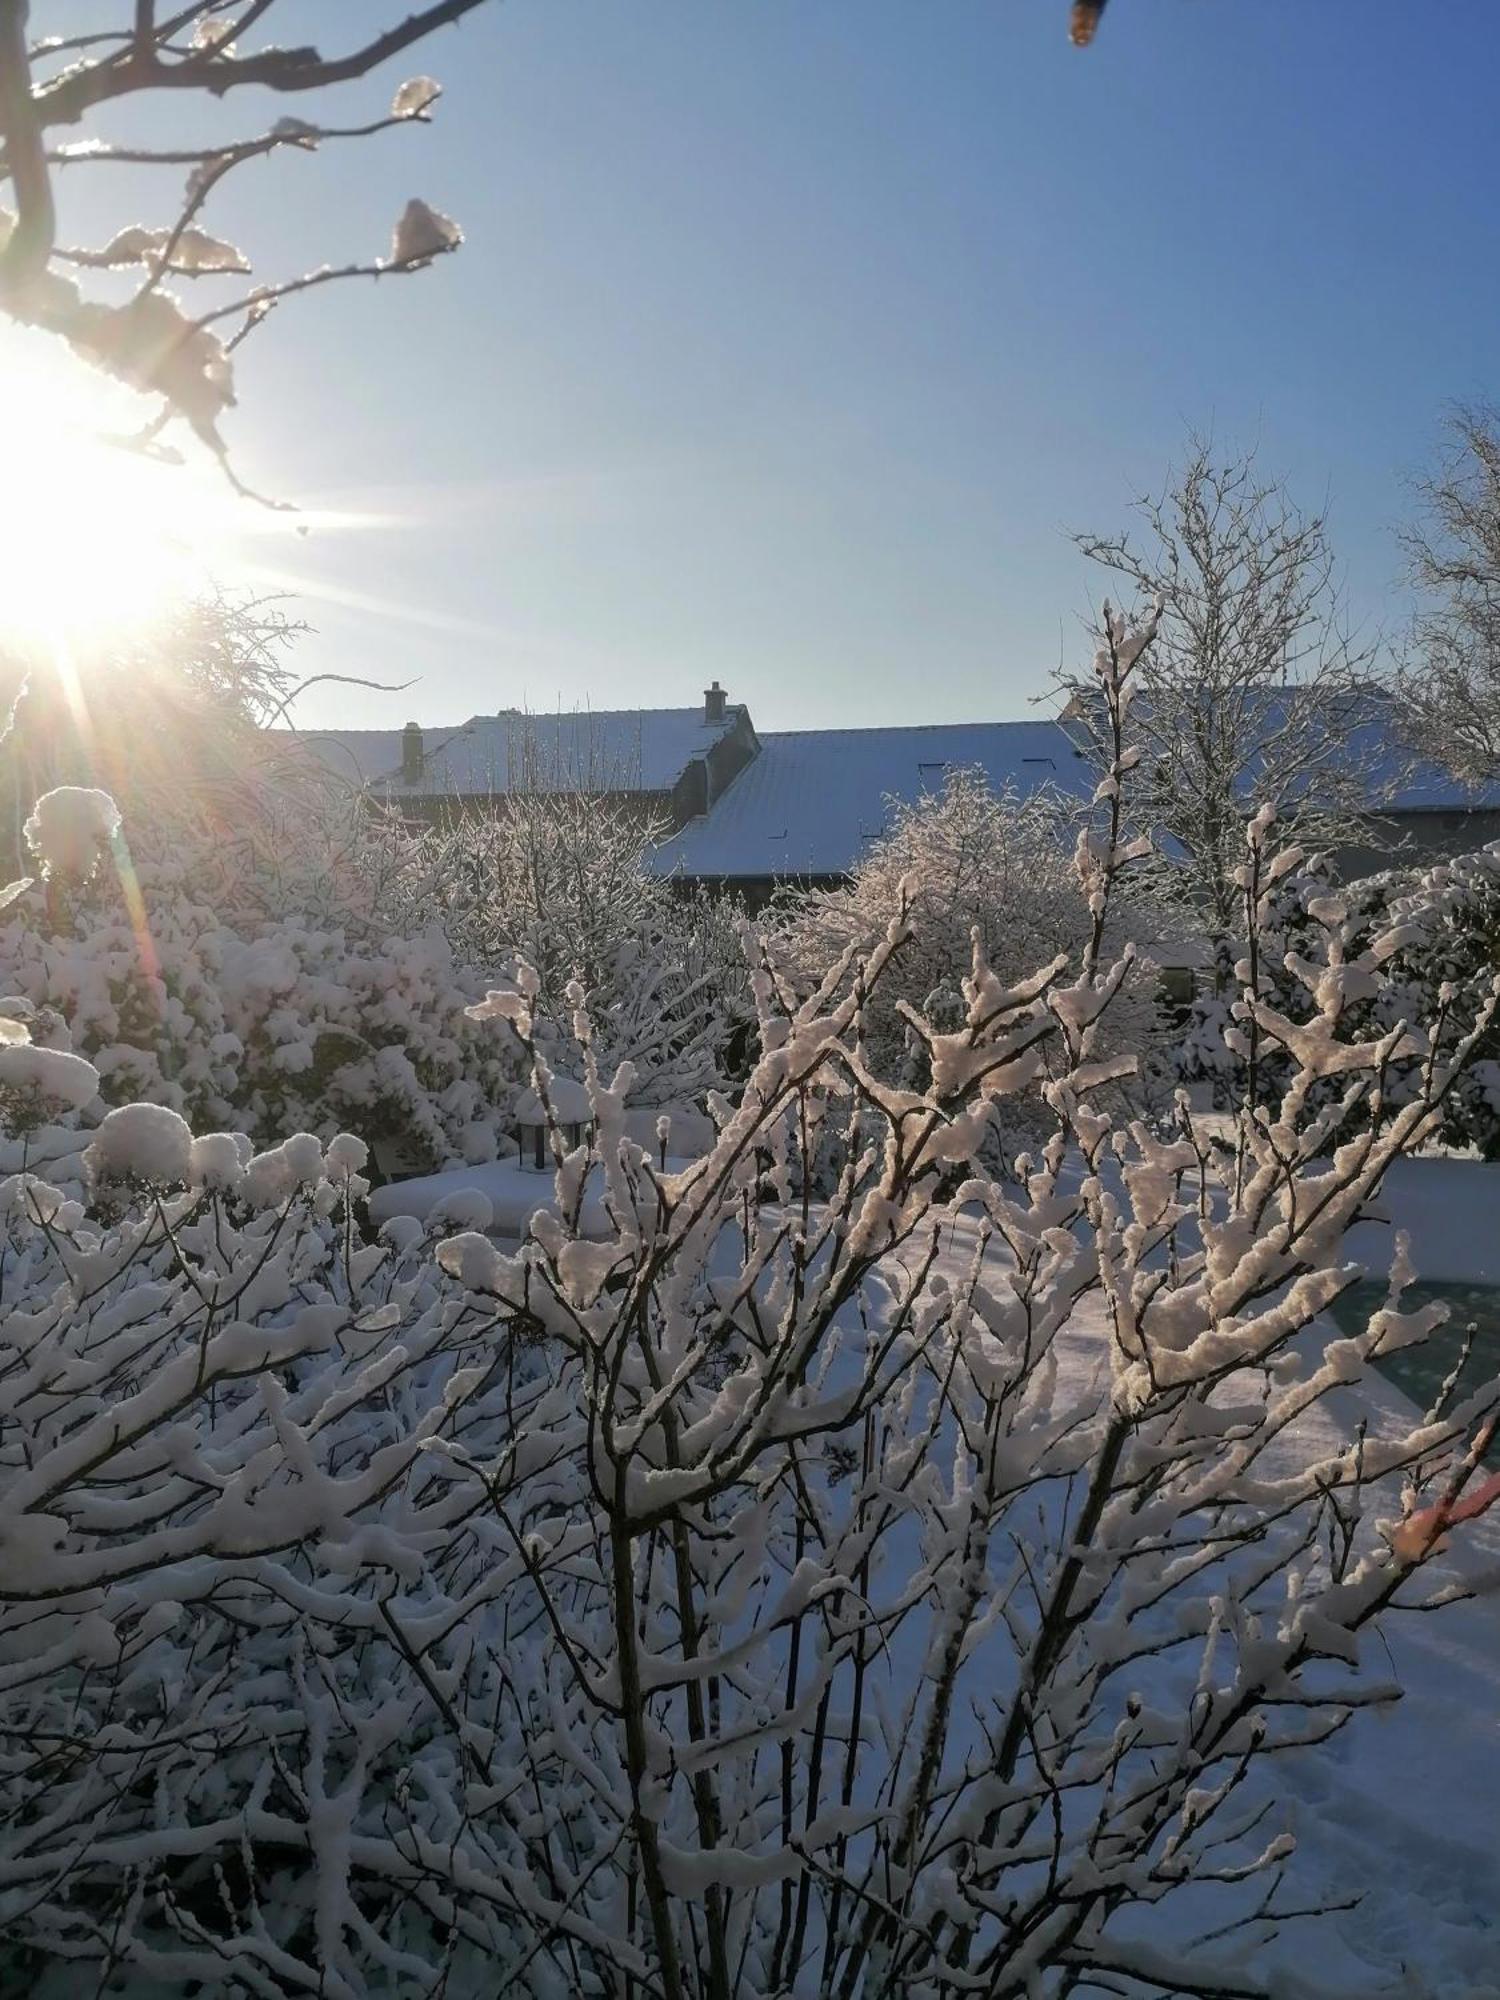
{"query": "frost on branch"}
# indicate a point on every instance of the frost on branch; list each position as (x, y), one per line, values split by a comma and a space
(415, 97)
(214, 34)
(184, 250)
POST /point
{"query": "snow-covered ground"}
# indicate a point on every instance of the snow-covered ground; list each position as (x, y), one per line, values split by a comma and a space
(498, 1196)
(1450, 1209)
(1401, 1808)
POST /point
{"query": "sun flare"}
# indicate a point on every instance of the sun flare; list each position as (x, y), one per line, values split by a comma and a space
(96, 540)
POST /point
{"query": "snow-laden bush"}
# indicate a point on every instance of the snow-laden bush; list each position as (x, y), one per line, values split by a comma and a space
(186, 971)
(1440, 955)
(898, 1595)
(287, 1024)
(68, 828)
(556, 880)
(965, 863)
(239, 815)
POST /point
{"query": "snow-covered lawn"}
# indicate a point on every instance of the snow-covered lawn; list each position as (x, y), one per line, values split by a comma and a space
(498, 1196)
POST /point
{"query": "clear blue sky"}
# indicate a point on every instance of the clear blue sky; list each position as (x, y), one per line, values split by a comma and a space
(791, 336)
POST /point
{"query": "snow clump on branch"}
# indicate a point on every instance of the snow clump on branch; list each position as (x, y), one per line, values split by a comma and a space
(718, 1592)
(68, 827)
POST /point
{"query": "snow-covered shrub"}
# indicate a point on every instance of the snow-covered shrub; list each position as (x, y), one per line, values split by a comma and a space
(196, 1391)
(556, 880)
(965, 862)
(219, 807)
(897, 1595)
(217, 938)
(38, 1081)
(1440, 955)
(287, 1025)
(1449, 959)
(293, 841)
(320, 979)
(68, 829)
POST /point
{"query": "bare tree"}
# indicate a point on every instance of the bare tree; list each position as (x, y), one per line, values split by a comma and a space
(557, 879)
(203, 50)
(1254, 693)
(1450, 686)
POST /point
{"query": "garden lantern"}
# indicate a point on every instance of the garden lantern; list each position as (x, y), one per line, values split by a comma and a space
(571, 1110)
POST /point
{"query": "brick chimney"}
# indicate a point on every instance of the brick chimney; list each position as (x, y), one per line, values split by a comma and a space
(714, 699)
(411, 754)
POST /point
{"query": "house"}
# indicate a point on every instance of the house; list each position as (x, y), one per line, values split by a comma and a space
(671, 763)
(746, 810)
(1350, 745)
(1420, 813)
(808, 805)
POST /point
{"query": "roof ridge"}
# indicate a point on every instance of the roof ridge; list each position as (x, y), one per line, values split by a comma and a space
(914, 728)
(585, 714)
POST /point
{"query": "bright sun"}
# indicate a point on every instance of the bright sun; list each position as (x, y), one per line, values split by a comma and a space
(95, 540)
(98, 540)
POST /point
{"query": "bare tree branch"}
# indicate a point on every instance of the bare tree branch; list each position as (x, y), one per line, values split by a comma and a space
(24, 258)
(70, 97)
(1450, 684)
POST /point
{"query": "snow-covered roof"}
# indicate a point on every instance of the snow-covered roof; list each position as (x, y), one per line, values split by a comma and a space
(629, 750)
(1353, 736)
(359, 756)
(813, 799)
(810, 802)
(1399, 782)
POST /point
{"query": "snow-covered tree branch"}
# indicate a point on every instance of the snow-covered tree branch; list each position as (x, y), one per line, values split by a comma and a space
(1254, 691)
(180, 354)
(721, 1591)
